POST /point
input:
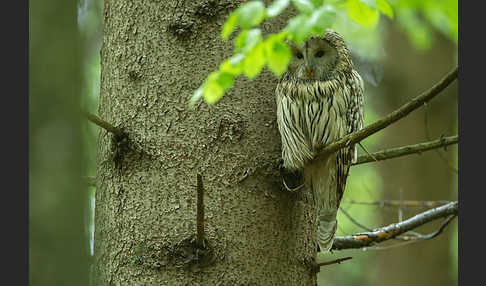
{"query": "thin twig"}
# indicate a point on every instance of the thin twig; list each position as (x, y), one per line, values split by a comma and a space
(407, 150)
(89, 181)
(419, 236)
(337, 261)
(416, 237)
(369, 154)
(103, 124)
(354, 220)
(404, 203)
(427, 135)
(400, 207)
(391, 231)
(200, 212)
(394, 116)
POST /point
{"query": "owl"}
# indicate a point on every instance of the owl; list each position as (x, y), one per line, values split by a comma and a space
(319, 100)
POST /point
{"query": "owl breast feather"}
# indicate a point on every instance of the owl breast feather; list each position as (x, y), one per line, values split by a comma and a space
(310, 115)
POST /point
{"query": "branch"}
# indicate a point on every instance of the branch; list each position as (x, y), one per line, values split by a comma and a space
(89, 181)
(426, 125)
(394, 116)
(353, 220)
(418, 236)
(103, 124)
(397, 203)
(407, 150)
(338, 261)
(388, 232)
(200, 212)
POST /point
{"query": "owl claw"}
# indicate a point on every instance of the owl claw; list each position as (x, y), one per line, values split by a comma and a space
(290, 189)
(292, 180)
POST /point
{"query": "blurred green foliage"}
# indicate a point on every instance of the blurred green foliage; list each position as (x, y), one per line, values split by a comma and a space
(420, 18)
(58, 203)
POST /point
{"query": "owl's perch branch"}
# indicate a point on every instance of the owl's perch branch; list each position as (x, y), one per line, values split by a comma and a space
(407, 150)
(103, 124)
(337, 261)
(418, 236)
(389, 232)
(394, 116)
(397, 203)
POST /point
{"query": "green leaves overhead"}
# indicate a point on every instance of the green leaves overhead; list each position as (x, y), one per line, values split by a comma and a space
(362, 13)
(385, 8)
(229, 26)
(277, 7)
(247, 40)
(251, 14)
(254, 61)
(322, 19)
(304, 6)
(278, 54)
(253, 52)
(246, 16)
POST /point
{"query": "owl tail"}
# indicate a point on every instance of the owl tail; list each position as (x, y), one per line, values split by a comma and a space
(321, 177)
(326, 229)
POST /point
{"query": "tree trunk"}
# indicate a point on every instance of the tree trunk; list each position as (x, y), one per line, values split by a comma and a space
(154, 55)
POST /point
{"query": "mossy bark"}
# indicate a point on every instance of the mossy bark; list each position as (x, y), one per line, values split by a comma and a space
(154, 55)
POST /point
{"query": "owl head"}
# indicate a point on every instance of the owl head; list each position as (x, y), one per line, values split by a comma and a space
(319, 58)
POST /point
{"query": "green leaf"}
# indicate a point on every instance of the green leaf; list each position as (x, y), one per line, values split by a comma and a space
(196, 96)
(251, 14)
(304, 6)
(385, 8)
(277, 7)
(370, 3)
(237, 59)
(362, 14)
(298, 29)
(254, 61)
(212, 90)
(247, 40)
(317, 3)
(228, 66)
(278, 55)
(225, 80)
(322, 19)
(229, 26)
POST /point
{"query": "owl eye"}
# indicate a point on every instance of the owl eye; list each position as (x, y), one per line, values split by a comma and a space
(299, 55)
(319, 54)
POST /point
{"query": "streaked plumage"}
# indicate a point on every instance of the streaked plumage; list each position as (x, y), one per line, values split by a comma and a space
(319, 100)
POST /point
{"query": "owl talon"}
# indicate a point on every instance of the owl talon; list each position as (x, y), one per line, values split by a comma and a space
(292, 180)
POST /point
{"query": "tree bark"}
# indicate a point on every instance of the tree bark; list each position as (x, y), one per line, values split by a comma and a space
(154, 55)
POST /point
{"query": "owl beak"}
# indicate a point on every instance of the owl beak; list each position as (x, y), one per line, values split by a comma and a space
(309, 71)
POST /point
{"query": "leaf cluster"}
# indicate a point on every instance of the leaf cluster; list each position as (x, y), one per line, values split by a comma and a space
(253, 52)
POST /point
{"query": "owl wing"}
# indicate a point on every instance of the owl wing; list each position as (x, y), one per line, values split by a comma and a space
(355, 120)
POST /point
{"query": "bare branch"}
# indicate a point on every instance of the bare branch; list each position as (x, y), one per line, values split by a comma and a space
(394, 116)
(103, 124)
(426, 124)
(397, 203)
(89, 181)
(414, 237)
(200, 212)
(389, 232)
(353, 220)
(418, 236)
(407, 150)
(338, 261)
